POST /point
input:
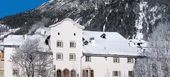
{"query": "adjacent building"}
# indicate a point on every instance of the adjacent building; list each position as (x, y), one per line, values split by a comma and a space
(1, 63)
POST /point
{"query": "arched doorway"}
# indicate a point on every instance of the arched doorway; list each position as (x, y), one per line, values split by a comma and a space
(73, 73)
(58, 73)
(66, 73)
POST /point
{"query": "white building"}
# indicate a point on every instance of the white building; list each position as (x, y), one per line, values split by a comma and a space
(79, 53)
(10, 43)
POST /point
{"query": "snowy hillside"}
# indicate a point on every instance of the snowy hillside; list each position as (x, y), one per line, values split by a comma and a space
(131, 18)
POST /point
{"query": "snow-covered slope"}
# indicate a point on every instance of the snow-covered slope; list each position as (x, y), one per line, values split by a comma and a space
(131, 18)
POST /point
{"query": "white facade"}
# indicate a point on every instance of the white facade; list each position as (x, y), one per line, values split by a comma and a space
(66, 31)
(94, 53)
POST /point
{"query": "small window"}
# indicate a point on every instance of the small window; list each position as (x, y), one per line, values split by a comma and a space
(131, 74)
(116, 60)
(54, 66)
(58, 33)
(88, 59)
(59, 56)
(59, 44)
(74, 34)
(116, 73)
(72, 44)
(130, 60)
(72, 56)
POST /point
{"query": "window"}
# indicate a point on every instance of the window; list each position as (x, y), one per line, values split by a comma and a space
(72, 44)
(58, 33)
(130, 60)
(59, 44)
(54, 67)
(116, 73)
(116, 60)
(74, 34)
(88, 59)
(88, 73)
(72, 56)
(59, 56)
(131, 74)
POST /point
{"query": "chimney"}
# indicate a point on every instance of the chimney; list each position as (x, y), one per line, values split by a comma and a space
(25, 36)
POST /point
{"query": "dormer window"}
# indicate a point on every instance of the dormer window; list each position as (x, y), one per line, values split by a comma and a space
(72, 44)
(59, 43)
(103, 36)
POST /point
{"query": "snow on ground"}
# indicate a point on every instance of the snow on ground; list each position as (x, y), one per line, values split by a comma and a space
(114, 43)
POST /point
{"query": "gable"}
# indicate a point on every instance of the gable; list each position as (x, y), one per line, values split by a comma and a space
(67, 23)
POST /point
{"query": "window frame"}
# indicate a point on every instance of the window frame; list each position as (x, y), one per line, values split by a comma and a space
(118, 74)
(72, 44)
(87, 58)
(130, 73)
(73, 55)
(116, 60)
(130, 60)
(88, 73)
(61, 55)
(59, 44)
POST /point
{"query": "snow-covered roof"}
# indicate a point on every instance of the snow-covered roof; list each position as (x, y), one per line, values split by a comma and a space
(114, 43)
(14, 40)
(69, 20)
(18, 40)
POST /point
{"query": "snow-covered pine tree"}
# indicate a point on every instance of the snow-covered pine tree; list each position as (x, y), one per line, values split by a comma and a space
(157, 60)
